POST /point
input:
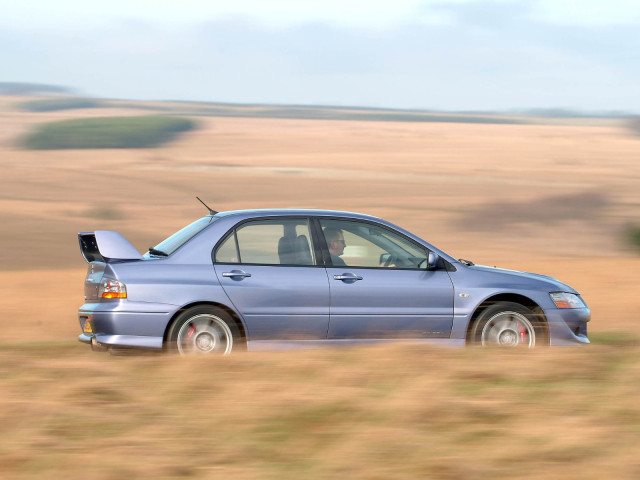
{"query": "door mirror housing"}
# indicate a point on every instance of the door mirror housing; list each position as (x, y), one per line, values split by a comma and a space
(433, 261)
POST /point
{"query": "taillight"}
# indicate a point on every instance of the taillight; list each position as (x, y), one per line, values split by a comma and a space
(112, 288)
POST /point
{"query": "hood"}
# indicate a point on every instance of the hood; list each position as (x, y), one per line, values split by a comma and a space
(549, 283)
(106, 246)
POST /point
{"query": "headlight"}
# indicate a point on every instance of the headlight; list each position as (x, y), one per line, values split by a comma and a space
(567, 300)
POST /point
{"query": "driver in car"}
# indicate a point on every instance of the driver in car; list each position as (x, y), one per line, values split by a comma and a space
(336, 244)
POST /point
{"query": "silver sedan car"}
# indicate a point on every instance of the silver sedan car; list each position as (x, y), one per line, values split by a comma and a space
(257, 279)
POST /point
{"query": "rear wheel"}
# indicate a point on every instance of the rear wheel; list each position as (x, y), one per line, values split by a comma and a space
(203, 331)
(508, 324)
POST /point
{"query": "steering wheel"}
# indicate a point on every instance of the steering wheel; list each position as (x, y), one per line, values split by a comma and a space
(390, 261)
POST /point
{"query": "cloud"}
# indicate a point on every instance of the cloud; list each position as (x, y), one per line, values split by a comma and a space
(486, 14)
(486, 55)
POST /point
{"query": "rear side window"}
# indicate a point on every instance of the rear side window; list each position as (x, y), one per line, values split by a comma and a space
(227, 251)
(268, 242)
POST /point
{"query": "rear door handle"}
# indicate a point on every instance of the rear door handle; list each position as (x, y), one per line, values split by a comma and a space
(347, 277)
(236, 274)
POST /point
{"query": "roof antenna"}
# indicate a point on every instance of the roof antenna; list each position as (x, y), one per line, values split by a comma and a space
(211, 211)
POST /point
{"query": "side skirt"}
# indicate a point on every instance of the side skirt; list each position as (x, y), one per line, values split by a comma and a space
(267, 345)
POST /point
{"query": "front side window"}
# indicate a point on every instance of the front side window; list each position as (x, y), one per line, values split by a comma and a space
(268, 242)
(361, 244)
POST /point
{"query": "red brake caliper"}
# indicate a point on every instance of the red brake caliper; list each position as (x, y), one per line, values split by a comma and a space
(192, 329)
(521, 331)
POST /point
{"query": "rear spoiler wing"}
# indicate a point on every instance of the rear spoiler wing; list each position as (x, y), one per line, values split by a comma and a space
(106, 246)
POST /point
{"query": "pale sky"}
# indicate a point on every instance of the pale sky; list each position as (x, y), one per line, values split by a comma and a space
(361, 13)
(440, 54)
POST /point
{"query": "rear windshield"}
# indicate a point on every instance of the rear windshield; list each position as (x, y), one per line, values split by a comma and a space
(181, 237)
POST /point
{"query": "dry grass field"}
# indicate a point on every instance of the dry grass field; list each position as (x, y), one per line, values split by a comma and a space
(554, 199)
(401, 412)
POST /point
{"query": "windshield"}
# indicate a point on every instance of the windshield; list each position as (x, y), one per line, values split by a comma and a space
(175, 241)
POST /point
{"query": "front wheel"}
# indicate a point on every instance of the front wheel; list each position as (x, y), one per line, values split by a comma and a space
(203, 330)
(507, 324)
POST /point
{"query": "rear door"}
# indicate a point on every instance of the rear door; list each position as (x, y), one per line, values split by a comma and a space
(268, 269)
(380, 287)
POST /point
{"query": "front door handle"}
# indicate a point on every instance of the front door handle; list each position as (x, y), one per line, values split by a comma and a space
(347, 277)
(236, 274)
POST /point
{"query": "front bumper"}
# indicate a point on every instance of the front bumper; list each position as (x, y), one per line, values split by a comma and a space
(568, 326)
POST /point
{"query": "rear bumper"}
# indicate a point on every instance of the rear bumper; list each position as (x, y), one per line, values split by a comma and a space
(125, 324)
(98, 342)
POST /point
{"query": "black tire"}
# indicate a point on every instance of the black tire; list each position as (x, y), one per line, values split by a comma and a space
(508, 324)
(204, 330)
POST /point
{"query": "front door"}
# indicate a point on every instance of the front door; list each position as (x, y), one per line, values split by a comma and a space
(380, 287)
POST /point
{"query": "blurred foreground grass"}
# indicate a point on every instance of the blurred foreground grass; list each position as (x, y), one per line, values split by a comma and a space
(402, 411)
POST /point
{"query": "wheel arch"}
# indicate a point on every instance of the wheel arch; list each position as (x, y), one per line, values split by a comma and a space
(514, 298)
(234, 316)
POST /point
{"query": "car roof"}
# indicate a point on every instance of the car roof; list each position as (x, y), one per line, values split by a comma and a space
(295, 211)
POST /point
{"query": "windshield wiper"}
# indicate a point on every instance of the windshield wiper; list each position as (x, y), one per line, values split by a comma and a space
(468, 263)
(159, 253)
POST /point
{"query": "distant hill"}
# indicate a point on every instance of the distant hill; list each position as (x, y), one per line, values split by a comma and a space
(59, 103)
(328, 112)
(571, 113)
(22, 88)
(54, 98)
(320, 112)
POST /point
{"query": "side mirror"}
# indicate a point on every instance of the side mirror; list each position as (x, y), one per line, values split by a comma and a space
(384, 257)
(433, 261)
